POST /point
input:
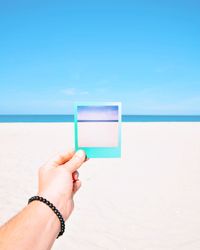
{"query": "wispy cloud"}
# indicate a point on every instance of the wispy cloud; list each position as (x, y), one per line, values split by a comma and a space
(69, 91)
(84, 93)
(74, 91)
(102, 90)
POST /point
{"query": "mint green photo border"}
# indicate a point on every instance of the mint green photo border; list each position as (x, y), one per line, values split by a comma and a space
(98, 152)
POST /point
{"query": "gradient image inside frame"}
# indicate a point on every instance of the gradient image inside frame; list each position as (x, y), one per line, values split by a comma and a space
(97, 129)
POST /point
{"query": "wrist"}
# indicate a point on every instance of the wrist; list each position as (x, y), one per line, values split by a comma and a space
(53, 208)
(47, 217)
(61, 203)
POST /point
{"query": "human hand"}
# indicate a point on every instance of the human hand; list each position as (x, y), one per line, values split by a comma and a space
(58, 180)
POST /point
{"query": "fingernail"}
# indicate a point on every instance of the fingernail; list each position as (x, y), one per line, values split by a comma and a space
(80, 153)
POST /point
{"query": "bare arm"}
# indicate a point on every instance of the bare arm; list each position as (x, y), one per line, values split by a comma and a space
(36, 226)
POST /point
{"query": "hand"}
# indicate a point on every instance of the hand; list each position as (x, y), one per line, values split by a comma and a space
(58, 180)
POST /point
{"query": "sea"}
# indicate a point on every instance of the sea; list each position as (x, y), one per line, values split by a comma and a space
(125, 118)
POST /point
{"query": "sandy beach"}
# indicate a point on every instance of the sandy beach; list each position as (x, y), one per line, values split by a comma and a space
(147, 200)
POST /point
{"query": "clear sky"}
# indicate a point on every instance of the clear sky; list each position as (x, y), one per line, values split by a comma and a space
(145, 54)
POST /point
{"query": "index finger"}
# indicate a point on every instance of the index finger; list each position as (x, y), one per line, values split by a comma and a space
(60, 159)
(76, 161)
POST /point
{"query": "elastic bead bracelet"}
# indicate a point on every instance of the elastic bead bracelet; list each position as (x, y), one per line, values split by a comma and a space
(55, 210)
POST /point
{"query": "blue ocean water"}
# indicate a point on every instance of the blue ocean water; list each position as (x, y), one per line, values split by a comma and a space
(125, 118)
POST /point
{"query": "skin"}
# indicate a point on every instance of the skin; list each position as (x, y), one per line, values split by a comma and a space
(36, 226)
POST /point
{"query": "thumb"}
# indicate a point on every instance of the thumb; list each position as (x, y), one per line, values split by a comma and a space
(76, 161)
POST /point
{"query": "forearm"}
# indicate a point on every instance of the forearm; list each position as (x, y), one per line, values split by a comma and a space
(35, 227)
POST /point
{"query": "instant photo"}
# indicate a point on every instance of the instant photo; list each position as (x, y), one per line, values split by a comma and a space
(98, 129)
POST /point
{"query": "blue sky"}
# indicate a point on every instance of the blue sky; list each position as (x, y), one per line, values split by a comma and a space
(145, 54)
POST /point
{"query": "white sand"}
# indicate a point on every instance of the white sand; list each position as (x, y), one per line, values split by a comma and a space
(148, 200)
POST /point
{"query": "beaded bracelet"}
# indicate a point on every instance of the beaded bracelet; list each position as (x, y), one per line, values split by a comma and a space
(55, 210)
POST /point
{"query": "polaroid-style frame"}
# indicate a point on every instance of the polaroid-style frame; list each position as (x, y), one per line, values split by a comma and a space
(97, 127)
